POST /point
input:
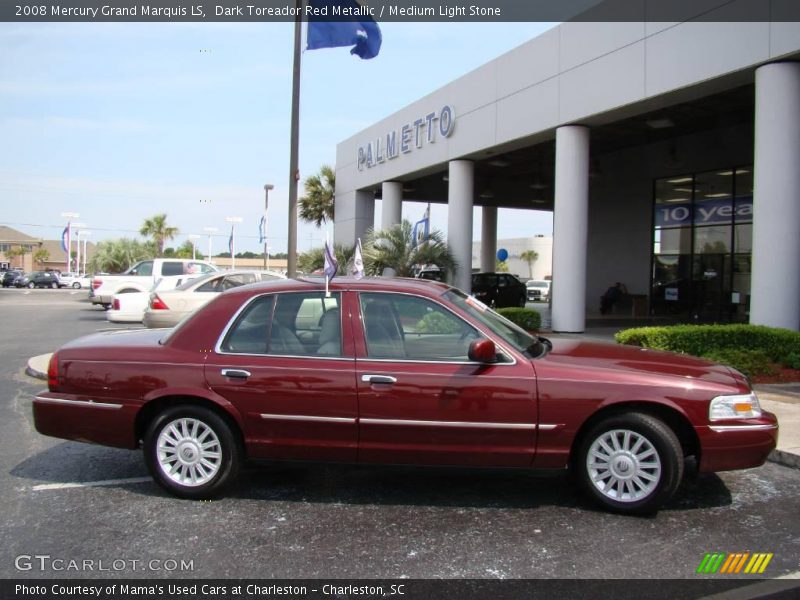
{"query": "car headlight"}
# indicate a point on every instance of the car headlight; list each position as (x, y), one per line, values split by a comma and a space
(744, 406)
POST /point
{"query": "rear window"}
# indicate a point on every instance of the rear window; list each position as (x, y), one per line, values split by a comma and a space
(172, 268)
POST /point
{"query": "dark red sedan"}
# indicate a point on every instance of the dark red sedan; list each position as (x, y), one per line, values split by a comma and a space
(397, 371)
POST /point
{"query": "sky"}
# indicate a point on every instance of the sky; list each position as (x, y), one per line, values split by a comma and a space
(118, 122)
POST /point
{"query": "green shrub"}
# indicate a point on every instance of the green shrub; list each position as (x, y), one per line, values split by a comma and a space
(749, 362)
(699, 340)
(527, 318)
(792, 360)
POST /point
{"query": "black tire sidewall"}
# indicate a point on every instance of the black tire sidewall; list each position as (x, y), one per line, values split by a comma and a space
(231, 453)
(663, 440)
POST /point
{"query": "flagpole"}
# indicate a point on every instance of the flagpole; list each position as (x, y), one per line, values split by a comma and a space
(294, 174)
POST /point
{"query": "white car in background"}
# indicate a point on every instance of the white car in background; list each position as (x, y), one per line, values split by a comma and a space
(167, 308)
(130, 307)
(538, 290)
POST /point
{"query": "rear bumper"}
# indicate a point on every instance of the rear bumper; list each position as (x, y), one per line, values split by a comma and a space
(102, 299)
(159, 319)
(743, 445)
(79, 418)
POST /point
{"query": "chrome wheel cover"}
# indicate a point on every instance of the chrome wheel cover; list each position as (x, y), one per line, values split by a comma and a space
(623, 465)
(189, 452)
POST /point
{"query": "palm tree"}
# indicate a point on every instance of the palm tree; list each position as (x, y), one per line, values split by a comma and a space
(530, 256)
(156, 227)
(394, 249)
(314, 259)
(115, 256)
(317, 204)
(41, 256)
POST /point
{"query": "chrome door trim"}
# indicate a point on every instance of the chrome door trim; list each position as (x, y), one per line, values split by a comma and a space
(83, 403)
(449, 424)
(273, 417)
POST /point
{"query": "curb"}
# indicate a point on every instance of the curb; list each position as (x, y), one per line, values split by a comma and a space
(37, 366)
(784, 458)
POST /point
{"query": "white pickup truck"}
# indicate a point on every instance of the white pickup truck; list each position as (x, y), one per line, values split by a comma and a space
(141, 277)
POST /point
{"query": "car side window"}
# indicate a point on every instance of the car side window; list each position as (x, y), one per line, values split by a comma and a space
(250, 332)
(171, 268)
(212, 285)
(143, 268)
(232, 281)
(306, 324)
(407, 327)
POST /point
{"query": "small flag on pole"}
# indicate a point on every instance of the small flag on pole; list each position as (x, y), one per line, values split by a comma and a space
(331, 264)
(358, 261)
(358, 29)
(262, 229)
(230, 242)
(422, 228)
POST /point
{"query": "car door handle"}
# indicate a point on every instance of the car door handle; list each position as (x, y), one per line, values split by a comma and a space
(378, 379)
(235, 373)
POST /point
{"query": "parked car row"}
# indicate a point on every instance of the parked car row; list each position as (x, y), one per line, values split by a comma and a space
(45, 279)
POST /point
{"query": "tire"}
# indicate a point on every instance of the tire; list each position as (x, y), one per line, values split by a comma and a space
(76, 286)
(630, 463)
(215, 471)
(31, 285)
(54, 286)
(522, 301)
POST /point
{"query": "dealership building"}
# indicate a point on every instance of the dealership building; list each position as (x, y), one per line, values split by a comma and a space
(669, 154)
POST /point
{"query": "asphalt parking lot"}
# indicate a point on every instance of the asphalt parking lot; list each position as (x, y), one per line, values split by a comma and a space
(73, 501)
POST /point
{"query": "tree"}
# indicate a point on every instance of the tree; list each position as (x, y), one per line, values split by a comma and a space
(314, 259)
(530, 256)
(41, 256)
(156, 227)
(317, 204)
(501, 266)
(394, 248)
(12, 253)
(115, 256)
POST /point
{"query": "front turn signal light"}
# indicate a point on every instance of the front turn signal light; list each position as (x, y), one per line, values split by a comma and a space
(744, 406)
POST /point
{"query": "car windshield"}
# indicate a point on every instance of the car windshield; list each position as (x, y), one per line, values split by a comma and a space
(537, 284)
(484, 279)
(515, 336)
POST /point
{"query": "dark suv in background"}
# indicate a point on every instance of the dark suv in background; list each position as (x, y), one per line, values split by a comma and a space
(39, 279)
(499, 290)
(10, 278)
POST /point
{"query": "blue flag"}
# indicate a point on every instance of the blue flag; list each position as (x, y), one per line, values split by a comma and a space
(65, 241)
(422, 229)
(261, 230)
(230, 242)
(353, 26)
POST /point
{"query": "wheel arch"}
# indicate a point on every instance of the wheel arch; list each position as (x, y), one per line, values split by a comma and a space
(671, 417)
(156, 405)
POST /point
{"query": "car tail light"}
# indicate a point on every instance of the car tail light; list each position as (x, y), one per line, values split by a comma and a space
(156, 303)
(52, 373)
(96, 283)
(115, 304)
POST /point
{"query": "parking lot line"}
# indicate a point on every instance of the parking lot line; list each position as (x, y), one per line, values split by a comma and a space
(65, 486)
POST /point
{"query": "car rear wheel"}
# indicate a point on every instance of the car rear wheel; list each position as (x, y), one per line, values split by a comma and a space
(192, 452)
(31, 285)
(54, 285)
(76, 286)
(630, 463)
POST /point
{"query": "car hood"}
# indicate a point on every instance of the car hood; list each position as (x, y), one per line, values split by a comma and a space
(638, 364)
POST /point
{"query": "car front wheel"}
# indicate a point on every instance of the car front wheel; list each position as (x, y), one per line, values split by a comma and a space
(192, 452)
(31, 285)
(76, 286)
(630, 463)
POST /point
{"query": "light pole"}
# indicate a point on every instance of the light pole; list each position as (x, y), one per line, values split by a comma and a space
(84, 234)
(68, 241)
(210, 231)
(232, 239)
(193, 237)
(267, 188)
(77, 227)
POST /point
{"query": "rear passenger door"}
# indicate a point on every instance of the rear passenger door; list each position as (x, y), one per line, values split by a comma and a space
(295, 390)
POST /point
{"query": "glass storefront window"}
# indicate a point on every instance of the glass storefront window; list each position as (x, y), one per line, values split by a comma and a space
(702, 232)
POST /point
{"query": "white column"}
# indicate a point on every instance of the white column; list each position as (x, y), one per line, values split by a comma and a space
(775, 287)
(488, 239)
(570, 223)
(355, 214)
(392, 194)
(460, 196)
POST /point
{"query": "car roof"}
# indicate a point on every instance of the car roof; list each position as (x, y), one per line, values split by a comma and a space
(423, 287)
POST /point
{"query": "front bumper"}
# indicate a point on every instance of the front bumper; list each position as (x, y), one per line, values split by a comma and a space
(726, 446)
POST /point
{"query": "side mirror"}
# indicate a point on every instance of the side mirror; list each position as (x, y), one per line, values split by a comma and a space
(482, 351)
